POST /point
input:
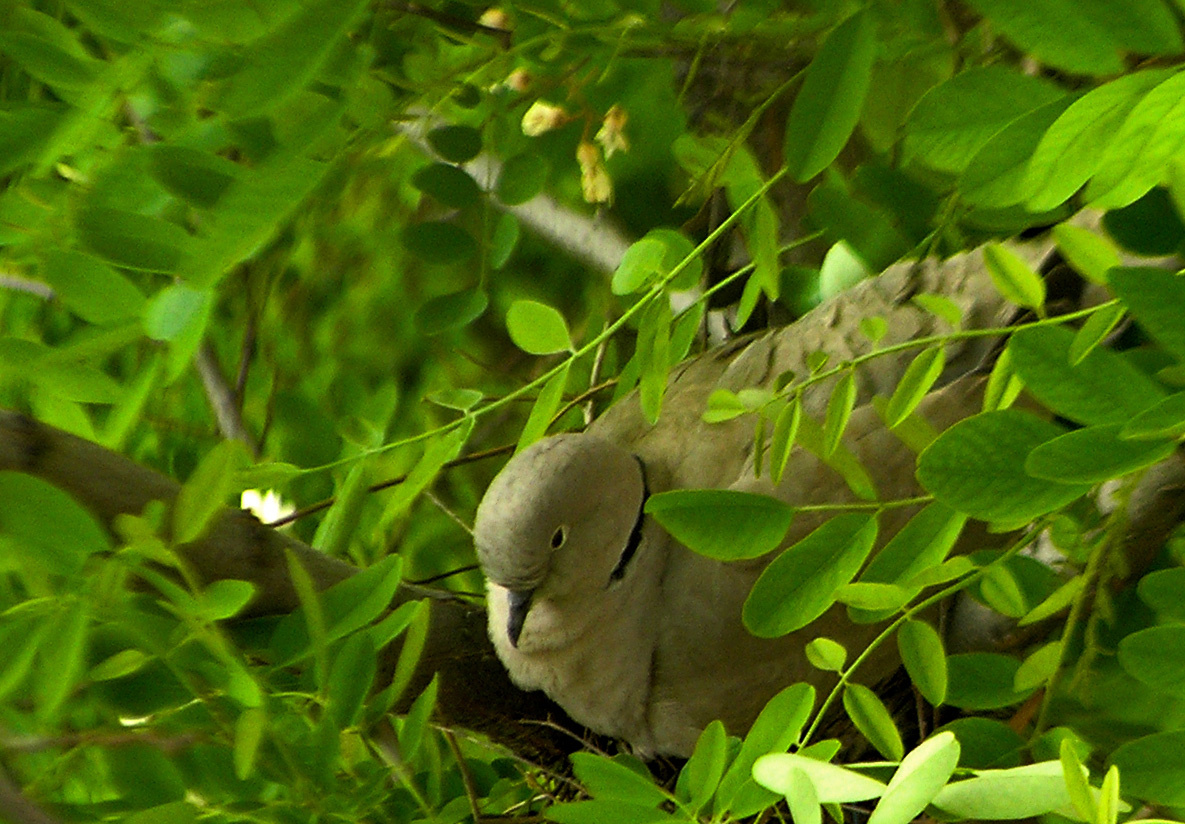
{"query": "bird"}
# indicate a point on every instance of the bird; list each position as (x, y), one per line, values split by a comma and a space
(636, 636)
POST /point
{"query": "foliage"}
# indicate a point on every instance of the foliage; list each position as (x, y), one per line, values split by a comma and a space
(330, 201)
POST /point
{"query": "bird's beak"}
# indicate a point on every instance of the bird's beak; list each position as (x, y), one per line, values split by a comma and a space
(520, 604)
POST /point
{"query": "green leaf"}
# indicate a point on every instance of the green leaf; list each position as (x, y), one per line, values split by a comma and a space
(1075, 776)
(833, 784)
(1103, 388)
(437, 241)
(917, 780)
(800, 584)
(872, 718)
(1058, 32)
(982, 681)
(641, 263)
(1139, 153)
(544, 409)
(941, 307)
(777, 727)
(839, 411)
(48, 62)
(826, 654)
(1165, 419)
(456, 144)
(522, 177)
(1154, 297)
(995, 176)
(91, 289)
(1014, 279)
(923, 542)
(448, 184)
(802, 799)
(440, 450)
(868, 597)
(289, 57)
(1000, 589)
(460, 399)
(701, 774)
(350, 677)
(1153, 768)
(1164, 591)
(607, 779)
(415, 723)
(1096, 329)
(63, 659)
(444, 313)
(206, 490)
(924, 658)
(953, 120)
(1156, 656)
(201, 178)
(841, 270)
(977, 467)
(828, 107)
(1071, 150)
(654, 342)
(1060, 599)
(1089, 253)
(1019, 792)
(599, 812)
(537, 329)
(249, 729)
(503, 240)
(132, 240)
(725, 524)
(340, 523)
(782, 442)
(1094, 454)
(918, 379)
(724, 405)
(43, 518)
(225, 598)
(1036, 670)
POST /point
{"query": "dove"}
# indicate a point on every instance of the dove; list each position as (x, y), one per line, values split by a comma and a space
(634, 635)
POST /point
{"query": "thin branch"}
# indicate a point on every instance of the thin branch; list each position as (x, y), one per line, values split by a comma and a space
(466, 776)
(16, 283)
(223, 400)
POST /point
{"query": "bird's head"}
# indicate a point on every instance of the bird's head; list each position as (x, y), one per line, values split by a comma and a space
(560, 523)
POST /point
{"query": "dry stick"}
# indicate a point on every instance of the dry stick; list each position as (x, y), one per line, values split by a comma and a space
(466, 776)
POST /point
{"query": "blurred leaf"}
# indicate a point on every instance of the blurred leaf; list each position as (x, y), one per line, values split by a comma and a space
(1015, 280)
(1165, 419)
(448, 184)
(839, 411)
(522, 177)
(1036, 670)
(828, 106)
(196, 176)
(1154, 297)
(90, 288)
(445, 313)
(63, 659)
(350, 676)
(249, 730)
(207, 490)
(1153, 767)
(504, 240)
(1156, 656)
(995, 175)
(456, 144)
(546, 405)
(44, 518)
(415, 723)
(132, 240)
(642, 263)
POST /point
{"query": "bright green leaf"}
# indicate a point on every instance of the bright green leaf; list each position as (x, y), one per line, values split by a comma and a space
(924, 657)
(537, 328)
(725, 524)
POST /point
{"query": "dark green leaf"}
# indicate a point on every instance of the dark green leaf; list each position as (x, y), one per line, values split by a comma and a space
(63, 659)
(977, 467)
(456, 144)
(924, 657)
(1164, 591)
(132, 240)
(1153, 767)
(828, 107)
(439, 242)
(725, 524)
(872, 718)
(986, 742)
(995, 176)
(800, 584)
(445, 313)
(503, 240)
(1154, 297)
(196, 176)
(1103, 388)
(1093, 454)
(599, 812)
(448, 184)
(522, 177)
(1165, 419)
(982, 681)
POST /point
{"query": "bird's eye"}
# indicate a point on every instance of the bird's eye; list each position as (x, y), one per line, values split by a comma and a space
(558, 537)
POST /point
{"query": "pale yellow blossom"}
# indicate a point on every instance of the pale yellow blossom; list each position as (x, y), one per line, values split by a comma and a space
(612, 132)
(495, 18)
(267, 507)
(542, 117)
(594, 178)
